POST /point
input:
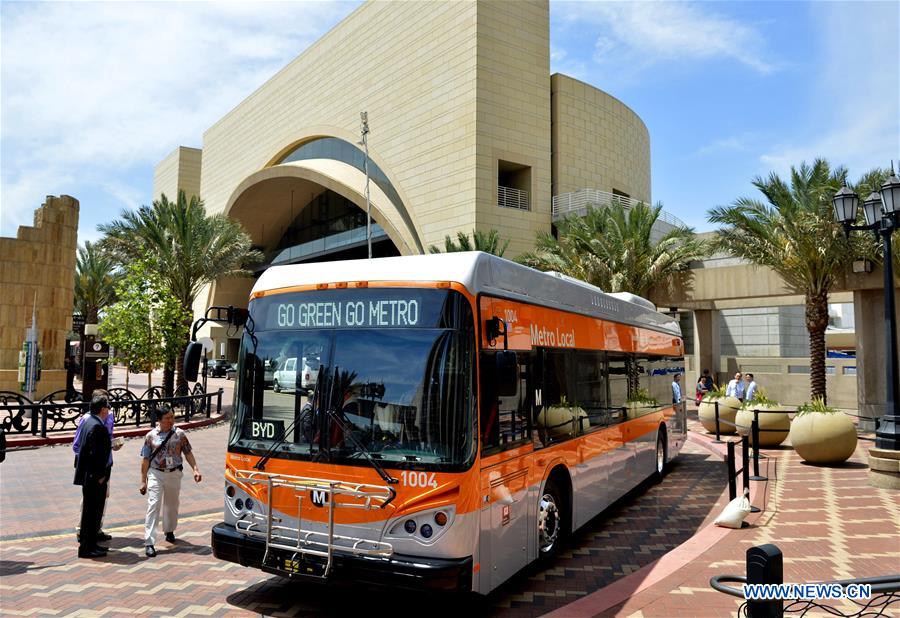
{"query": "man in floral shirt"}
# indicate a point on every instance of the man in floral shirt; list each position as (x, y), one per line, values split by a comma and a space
(162, 464)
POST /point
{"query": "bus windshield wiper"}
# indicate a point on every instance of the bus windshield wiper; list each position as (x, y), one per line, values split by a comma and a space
(260, 465)
(333, 415)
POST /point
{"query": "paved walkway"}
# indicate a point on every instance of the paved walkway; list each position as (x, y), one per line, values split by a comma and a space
(41, 575)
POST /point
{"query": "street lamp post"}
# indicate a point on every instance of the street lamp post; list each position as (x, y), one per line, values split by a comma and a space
(364, 130)
(882, 214)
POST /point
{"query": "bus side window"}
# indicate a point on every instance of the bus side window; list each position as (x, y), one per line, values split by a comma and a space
(559, 415)
(590, 388)
(505, 421)
(618, 387)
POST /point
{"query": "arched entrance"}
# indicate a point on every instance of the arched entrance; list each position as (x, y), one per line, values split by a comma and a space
(310, 210)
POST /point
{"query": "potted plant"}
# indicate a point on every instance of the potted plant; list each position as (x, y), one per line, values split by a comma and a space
(563, 419)
(772, 416)
(639, 403)
(728, 407)
(821, 434)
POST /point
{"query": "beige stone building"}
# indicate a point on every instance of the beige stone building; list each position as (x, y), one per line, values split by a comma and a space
(37, 269)
(468, 131)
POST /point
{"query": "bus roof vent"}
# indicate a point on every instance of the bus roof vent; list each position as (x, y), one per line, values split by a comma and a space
(634, 299)
(583, 284)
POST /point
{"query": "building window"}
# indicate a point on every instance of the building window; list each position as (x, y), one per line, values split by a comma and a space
(513, 185)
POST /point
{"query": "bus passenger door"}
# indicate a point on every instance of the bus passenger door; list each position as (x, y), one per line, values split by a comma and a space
(506, 469)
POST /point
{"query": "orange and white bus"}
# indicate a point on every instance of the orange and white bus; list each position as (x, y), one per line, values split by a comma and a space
(467, 414)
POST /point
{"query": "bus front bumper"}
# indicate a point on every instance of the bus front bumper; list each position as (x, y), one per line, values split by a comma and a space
(402, 571)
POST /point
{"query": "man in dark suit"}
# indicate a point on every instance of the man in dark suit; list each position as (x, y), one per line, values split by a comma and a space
(92, 473)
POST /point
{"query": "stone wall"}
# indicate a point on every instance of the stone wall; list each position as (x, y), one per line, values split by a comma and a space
(39, 266)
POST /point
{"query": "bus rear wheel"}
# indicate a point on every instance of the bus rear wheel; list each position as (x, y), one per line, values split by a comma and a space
(551, 528)
(659, 470)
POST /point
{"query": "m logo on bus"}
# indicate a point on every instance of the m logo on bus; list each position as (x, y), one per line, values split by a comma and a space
(319, 497)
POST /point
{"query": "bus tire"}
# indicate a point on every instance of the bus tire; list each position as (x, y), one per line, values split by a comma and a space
(661, 456)
(551, 521)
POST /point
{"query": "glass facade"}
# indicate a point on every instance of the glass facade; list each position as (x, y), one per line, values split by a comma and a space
(328, 223)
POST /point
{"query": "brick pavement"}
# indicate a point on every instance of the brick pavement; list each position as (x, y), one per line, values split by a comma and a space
(40, 574)
(829, 523)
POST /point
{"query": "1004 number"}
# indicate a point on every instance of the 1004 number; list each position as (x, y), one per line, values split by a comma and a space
(418, 479)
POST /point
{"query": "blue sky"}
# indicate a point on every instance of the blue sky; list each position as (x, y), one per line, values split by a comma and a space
(93, 95)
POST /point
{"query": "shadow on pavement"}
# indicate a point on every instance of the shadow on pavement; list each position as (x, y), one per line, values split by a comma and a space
(13, 567)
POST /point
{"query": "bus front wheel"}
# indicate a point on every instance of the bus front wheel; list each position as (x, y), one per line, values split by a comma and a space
(550, 521)
(661, 459)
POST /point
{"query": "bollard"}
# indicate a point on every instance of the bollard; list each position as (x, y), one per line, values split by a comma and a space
(754, 429)
(43, 423)
(718, 440)
(745, 469)
(765, 565)
(732, 484)
(34, 420)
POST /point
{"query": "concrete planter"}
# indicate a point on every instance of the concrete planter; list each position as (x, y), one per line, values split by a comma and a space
(823, 438)
(774, 417)
(728, 407)
(562, 421)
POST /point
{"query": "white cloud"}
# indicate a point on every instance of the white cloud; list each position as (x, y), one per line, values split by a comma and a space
(641, 34)
(91, 90)
(855, 101)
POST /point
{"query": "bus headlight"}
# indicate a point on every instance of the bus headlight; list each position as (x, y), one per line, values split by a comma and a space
(424, 526)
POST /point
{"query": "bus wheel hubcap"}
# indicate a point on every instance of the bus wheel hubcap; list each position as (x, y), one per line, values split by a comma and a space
(660, 456)
(548, 522)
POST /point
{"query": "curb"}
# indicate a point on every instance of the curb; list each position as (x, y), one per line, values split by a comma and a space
(623, 589)
(12, 442)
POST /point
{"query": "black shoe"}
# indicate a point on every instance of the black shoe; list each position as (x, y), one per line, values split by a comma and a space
(150, 551)
(94, 552)
(102, 536)
(170, 537)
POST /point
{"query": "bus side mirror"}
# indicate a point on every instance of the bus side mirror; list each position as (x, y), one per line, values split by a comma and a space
(192, 361)
(507, 373)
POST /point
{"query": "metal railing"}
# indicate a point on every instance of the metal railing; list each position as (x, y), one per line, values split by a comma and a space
(19, 415)
(765, 567)
(508, 197)
(577, 202)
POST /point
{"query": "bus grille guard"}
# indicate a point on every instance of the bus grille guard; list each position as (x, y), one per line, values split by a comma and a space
(301, 543)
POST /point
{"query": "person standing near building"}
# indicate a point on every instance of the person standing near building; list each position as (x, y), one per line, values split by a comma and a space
(751, 388)
(92, 469)
(676, 389)
(735, 387)
(109, 423)
(161, 471)
(704, 385)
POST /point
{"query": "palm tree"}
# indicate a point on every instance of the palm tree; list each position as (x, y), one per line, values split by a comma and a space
(489, 242)
(96, 277)
(613, 248)
(795, 234)
(189, 250)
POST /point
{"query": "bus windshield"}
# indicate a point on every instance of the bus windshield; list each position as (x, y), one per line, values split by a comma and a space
(392, 367)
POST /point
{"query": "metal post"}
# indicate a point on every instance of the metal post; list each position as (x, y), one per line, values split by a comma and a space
(219, 400)
(44, 422)
(364, 118)
(754, 429)
(732, 484)
(34, 419)
(765, 565)
(887, 435)
(745, 469)
(718, 439)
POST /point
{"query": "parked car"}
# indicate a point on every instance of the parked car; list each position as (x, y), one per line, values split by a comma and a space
(285, 379)
(218, 368)
(231, 373)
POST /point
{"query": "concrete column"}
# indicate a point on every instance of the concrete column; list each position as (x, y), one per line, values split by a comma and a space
(868, 312)
(706, 344)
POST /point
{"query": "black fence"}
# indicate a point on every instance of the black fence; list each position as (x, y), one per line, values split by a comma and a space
(55, 414)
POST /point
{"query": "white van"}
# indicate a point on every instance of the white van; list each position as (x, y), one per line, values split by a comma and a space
(285, 379)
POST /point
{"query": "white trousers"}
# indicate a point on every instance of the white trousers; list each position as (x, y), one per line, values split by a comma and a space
(163, 489)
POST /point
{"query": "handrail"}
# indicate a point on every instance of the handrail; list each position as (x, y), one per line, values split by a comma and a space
(578, 201)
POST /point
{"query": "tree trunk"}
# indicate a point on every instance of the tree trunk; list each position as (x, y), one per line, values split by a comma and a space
(168, 379)
(816, 323)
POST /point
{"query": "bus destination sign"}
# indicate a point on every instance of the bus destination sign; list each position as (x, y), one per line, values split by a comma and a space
(387, 308)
